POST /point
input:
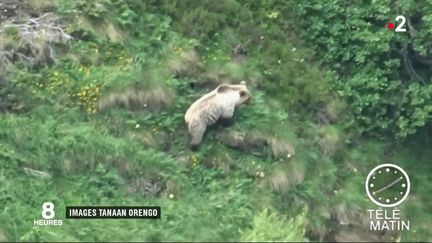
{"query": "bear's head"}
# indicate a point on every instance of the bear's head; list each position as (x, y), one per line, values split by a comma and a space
(239, 92)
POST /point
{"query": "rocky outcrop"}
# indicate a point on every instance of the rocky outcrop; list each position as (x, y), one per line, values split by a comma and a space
(257, 144)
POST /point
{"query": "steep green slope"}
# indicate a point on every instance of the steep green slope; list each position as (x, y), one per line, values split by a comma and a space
(101, 123)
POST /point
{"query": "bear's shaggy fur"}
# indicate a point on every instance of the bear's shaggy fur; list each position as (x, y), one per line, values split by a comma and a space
(219, 104)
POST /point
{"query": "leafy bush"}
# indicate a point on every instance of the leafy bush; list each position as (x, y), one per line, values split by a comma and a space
(389, 90)
(280, 230)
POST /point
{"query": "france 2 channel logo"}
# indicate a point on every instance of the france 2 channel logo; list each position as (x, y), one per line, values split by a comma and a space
(400, 27)
(48, 214)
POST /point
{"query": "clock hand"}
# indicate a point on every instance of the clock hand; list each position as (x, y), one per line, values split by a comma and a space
(389, 185)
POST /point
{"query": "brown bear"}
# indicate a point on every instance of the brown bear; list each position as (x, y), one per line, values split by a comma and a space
(217, 105)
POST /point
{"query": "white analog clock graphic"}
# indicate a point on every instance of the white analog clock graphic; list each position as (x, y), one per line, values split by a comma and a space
(387, 185)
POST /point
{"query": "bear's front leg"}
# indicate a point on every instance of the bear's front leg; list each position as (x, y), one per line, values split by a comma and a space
(227, 117)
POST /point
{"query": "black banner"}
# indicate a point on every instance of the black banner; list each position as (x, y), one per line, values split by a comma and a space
(113, 212)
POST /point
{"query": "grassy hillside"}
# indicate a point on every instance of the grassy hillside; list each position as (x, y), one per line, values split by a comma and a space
(92, 114)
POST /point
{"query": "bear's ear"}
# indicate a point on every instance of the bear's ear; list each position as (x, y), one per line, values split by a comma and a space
(243, 82)
(222, 88)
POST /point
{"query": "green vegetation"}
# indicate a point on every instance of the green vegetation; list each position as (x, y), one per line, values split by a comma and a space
(92, 104)
(389, 88)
